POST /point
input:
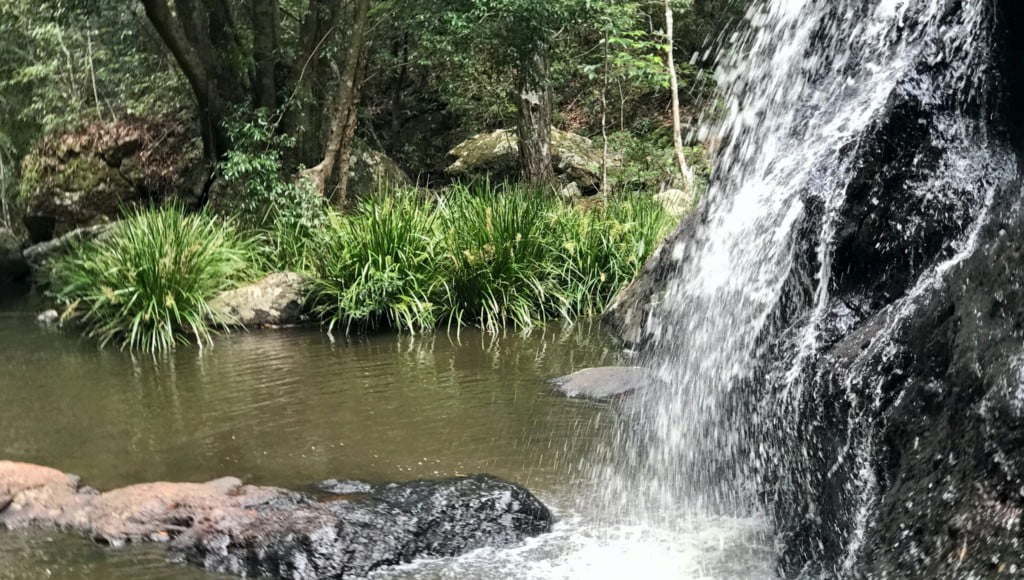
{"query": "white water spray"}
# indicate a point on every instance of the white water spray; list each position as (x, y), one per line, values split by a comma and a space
(807, 85)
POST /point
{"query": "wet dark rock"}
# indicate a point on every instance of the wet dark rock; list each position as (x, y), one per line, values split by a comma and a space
(13, 266)
(346, 487)
(351, 539)
(226, 526)
(276, 300)
(600, 383)
(901, 454)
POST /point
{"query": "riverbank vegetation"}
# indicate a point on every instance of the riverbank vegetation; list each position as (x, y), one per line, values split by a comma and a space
(147, 283)
(330, 138)
(477, 256)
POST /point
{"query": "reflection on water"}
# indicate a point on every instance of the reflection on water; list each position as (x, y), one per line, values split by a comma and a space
(290, 407)
(285, 408)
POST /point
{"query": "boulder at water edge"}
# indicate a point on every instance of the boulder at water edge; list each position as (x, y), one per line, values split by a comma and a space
(225, 526)
(276, 300)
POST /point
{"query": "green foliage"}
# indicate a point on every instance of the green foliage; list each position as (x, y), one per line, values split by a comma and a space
(378, 265)
(510, 256)
(649, 162)
(266, 198)
(602, 251)
(66, 63)
(495, 246)
(146, 285)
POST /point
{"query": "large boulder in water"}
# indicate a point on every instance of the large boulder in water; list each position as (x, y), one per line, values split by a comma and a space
(601, 383)
(89, 176)
(276, 300)
(886, 399)
(225, 526)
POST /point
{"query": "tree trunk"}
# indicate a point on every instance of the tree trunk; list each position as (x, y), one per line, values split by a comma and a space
(304, 116)
(202, 40)
(264, 49)
(677, 131)
(340, 197)
(533, 103)
(343, 117)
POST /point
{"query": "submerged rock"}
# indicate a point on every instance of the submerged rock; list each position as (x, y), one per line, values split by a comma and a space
(48, 317)
(276, 300)
(346, 487)
(226, 526)
(605, 382)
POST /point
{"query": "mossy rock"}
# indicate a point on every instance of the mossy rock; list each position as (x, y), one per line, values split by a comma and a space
(89, 176)
(576, 159)
(371, 171)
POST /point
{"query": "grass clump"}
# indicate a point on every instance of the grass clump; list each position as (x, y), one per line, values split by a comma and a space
(496, 244)
(481, 256)
(508, 256)
(378, 266)
(146, 284)
(597, 252)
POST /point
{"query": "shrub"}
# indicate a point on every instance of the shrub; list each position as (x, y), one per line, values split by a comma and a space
(480, 256)
(495, 248)
(378, 265)
(287, 214)
(146, 284)
(598, 252)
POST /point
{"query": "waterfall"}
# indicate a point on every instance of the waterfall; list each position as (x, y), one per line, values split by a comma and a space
(856, 172)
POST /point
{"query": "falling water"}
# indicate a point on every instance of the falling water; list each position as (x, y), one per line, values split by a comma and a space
(808, 84)
(833, 106)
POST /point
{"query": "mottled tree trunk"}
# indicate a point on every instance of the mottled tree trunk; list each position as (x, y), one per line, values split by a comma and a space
(677, 130)
(343, 116)
(533, 102)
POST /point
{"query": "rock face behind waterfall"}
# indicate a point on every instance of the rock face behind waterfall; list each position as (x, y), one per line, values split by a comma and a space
(225, 526)
(894, 440)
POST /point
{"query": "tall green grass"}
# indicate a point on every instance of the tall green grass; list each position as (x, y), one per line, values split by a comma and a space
(145, 286)
(490, 257)
(596, 253)
(481, 256)
(378, 265)
(495, 245)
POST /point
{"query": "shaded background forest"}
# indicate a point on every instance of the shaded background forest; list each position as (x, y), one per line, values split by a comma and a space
(409, 79)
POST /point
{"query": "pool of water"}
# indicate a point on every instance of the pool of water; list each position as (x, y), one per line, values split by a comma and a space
(292, 407)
